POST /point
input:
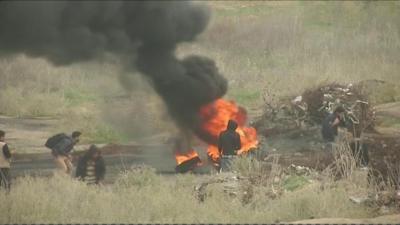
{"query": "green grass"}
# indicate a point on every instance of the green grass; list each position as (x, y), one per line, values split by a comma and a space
(294, 182)
(105, 134)
(19, 102)
(244, 96)
(388, 121)
(75, 97)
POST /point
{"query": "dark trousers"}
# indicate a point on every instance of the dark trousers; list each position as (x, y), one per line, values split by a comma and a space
(5, 178)
(226, 162)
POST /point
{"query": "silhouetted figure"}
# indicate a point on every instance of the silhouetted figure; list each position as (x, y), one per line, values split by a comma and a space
(5, 158)
(61, 146)
(228, 145)
(330, 126)
(91, 167)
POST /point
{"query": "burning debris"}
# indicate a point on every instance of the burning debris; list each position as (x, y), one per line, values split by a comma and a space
(187, 161)
(144, 34)
(215, 117)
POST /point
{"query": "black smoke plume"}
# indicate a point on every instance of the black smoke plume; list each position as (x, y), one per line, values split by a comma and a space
(147, 32)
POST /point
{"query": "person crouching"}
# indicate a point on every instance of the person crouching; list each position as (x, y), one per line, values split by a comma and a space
(91, 167)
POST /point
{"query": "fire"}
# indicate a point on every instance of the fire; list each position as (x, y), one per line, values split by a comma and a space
(215, 117)
(182, 157)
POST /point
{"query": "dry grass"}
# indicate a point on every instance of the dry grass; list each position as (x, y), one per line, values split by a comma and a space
(284, 47)
(296, 45)
(141, 196)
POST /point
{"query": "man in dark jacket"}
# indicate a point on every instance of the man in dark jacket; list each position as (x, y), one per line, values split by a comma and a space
(91, 167)
(5, 156)
(228, 145)
(61, 150)
(331, 123)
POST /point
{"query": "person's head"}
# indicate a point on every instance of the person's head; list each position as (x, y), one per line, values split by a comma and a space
(93, 152)
(75, 135)
(2, 135)
(232, 125)
(339, 111)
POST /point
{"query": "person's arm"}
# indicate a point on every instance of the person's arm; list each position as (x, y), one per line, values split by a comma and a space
(336, 122)
(238, 144)
(6, 151)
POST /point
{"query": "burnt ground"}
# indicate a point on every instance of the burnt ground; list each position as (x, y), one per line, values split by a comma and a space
(118, 158)
(299, 147)
(26, 138)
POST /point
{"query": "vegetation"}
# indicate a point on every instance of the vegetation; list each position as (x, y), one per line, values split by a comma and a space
(282, 47)
(139, 195)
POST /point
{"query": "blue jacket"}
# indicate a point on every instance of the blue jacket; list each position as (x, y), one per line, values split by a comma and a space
(63, 146)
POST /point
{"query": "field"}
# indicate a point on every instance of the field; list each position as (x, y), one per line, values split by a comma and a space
(267, 51)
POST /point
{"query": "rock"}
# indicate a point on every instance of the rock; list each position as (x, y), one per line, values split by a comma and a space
(384, 210)
(385, 198)
(358, 200)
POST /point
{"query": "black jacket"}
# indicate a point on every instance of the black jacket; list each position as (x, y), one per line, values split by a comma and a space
(63, 146)
(100, 168)
(229, 140)
(328, 131)
(6, 151)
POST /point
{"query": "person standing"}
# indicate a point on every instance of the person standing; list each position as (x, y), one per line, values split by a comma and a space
(330, 126)
(228, 145)
(91, 167)
(61, 146)
(5, 158)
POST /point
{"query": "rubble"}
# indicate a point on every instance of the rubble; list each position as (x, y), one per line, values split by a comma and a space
(229, 182)
(308, 109)
(298, 170)
(358, 200)
(188, 165)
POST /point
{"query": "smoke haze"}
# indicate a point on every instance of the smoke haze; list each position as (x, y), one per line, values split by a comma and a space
(144, 33)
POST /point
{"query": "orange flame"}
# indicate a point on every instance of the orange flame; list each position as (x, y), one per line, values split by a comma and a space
(215, 120)
(182, 157)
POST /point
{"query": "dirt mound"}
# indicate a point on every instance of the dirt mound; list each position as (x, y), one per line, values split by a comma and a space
(313, 105)
(292, 127)
(384, 154)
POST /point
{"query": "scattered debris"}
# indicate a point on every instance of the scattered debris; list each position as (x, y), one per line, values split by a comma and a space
(311, 107)
(298, 170)
(229, 182)
(358, 200)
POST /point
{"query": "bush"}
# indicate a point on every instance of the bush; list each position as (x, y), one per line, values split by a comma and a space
(141, 196)
(19, 102)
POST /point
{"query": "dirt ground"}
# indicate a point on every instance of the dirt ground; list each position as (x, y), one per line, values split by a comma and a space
(27, 136)
(387, 219)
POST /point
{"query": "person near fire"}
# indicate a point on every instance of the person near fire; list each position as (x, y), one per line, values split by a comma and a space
(228, 145)
(91, 167)
(330, 125)
(61, 146)
(5, 158)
